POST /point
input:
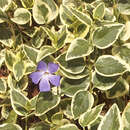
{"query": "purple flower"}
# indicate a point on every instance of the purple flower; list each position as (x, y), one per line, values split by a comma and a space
(45, 75)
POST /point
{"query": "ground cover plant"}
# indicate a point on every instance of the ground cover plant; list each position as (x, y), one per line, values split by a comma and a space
(64, 64)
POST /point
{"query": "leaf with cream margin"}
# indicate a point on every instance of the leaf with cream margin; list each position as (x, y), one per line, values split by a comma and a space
(78, 48)
(74, 66)
(126, 117)
(4, 4)
(121, 88)
(82, 101)
(44, 11)
(108, 66)
(105, 36)
(21, 16)
(112, 119)
(99, 11)
(84, 18)
(90, 116)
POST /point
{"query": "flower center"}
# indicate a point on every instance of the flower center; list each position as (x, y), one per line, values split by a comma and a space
(46, 73)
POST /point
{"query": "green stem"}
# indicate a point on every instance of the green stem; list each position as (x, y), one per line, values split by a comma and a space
(90, 74)
(13, 32)
(58, 91)
(26, 123)
(83, 128)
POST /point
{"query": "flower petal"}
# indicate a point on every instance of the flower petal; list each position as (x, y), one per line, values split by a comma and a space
(52, 67)
(54, 79)
(36, 76)
(42, 66)
(44, 85)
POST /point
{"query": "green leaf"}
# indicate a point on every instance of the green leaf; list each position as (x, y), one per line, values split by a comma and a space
(82, 101)
(79, 48)
(84, 18)
(81, 30)
(18, 40)
(90, 116)
(5, 112)
(95, 124)
(45, 102)
(70, 86)
(48, 59)
(75, 66)
(68, 127)
(12, 6)
(119, 89)
(57, 118)
(44, 52)
(57, 37)
(77, 30)
(11, 81)
(29, 31)
(99, 11)
(120, 103)
(20, 85)
(124, 7)
(3, 16)
(9, 126)
(65, 106)
(27, 3)
(33, 102)
(12, 118)
(75, 76)
(66, 15)
(19, 102)
(105, 36)
(123, 53)
(40, 12)
(6, 36)
(38, 37)
(126, 117)
(19, 69)
(112, 119)
(23, 83)
(52, 35)
(29, 67)
(126, 32)
(9, 59)
(21, 16)
(103, 83)
(61, 34)
(31, 53)
(40, 126)
(107, 65)
(5, 101)
(94, 4)
(51, 112)
(108, 16)
(3, 85)
(44, 11)
(71, 3)
(2, 57)
(4, 4)
(43, 117)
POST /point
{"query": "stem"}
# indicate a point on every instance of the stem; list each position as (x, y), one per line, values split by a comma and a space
(90, 74)
(26, 123)
(58, 91)
(83, 128)
(13, 32)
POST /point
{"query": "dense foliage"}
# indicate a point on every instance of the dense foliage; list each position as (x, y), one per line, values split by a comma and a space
(89, 40)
